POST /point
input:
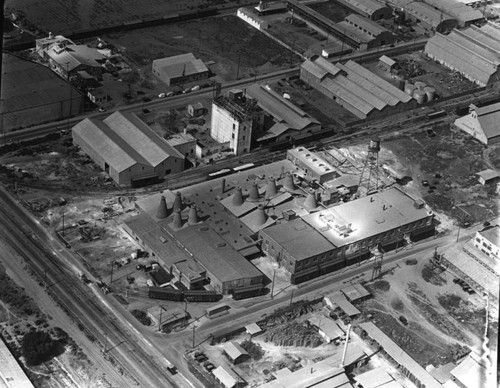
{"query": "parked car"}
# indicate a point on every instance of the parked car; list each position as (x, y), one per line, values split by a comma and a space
(170, 94)
(209, 366)
(172, 369)
(195, 88)
(162, 95)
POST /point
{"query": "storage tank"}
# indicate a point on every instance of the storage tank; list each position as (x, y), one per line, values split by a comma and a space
(430, 92)
(420, 85)
(419, 95)
(410, 88)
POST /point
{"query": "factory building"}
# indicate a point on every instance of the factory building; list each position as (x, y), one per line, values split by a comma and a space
(474, 52)
(370, 9)
(33, 94)
(127, 149)
(284, 120)
(482, 123)
(488, 242)
(234, 119)
(315, 167)
(329, 239)
(464, 14)
(355, 88)
(252, 18)
(429, 17)
(368, 33)
(43, 44)
(12, 374)
(180, 69)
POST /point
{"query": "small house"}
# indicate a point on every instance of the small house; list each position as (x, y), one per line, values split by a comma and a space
(195, 110)
(235, 352)
(488, 176)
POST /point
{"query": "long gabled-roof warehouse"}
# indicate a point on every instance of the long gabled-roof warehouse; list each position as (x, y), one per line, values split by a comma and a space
(352, 86)
(126, 148)
(463, 13)
(430, 17)
(474, 52)
(370, 9)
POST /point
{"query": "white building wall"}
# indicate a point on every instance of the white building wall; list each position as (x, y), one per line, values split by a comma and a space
(486, 246)
(225, 128)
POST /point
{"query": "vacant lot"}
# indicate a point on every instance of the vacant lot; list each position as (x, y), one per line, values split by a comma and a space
(332, 10)
(235, 49)
(66, 16)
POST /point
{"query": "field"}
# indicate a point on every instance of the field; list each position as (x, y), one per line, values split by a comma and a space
(235, 49)
(66, 16)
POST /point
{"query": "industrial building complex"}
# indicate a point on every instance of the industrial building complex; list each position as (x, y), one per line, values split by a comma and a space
(474, 52)
(355, 88)
(482, 123)
(180, 69)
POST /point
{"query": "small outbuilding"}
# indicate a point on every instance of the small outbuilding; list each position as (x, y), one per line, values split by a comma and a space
(386, 63)
(488, 176)
(195, 110)
(235, 352)
(253, 329)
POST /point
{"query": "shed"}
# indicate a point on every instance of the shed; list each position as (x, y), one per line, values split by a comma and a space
(373, 378)
(386, 63)
(195, 110)
(327, 328)
(235, 352)
(356, 293)
(337, 301)
(226, 377)
(488, 176)
(253, 329)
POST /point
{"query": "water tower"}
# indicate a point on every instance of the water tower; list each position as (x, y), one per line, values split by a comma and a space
(368, 182)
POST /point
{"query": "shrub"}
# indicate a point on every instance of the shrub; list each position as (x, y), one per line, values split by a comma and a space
(142, 317)
(38, 347)
(254, 350)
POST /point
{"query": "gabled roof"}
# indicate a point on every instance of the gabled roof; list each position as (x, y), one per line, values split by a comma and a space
(489, 117)
(71, 56)
(363, 23)
(427, 13)
(488, 174)
(234, 350)
(347, 95)
(227, 377)
(368, 6)
(179, 65)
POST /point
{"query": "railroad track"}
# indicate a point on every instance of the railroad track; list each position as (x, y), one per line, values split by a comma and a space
(79, 302)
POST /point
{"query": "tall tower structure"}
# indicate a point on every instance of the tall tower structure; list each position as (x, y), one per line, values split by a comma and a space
(368, 182)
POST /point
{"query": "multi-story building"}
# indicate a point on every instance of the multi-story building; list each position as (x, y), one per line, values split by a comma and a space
(487, 241)
(234, 118)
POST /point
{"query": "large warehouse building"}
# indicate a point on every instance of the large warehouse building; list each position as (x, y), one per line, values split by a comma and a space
(355, 88)
(474, 52)
(329, 239)
(33, 94)
(127, 149)
(370, 9)
(180, 69)
(429, 17)
(482, 123)
(368, 33)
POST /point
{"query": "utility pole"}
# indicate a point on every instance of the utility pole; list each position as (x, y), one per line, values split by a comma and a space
(194, 328)
(272, 287)
(159, 322)
(291, 298)
(458, 234)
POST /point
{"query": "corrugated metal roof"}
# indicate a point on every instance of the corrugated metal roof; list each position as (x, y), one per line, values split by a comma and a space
(355, 33)
(314, 69)
(141, 137)
(367, 24)
(327, 65)
(346, 95)
(234, 350)
(458, 10)
(376, 80)
(361, 92)
(462, 54)
(399, 355)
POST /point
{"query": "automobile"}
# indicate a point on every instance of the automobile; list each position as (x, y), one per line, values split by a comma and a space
(101, 109)
(466, 224)
(209, 366)
(403, 320)
(172, 369)
(162, 95)
(170, 94)
(195, 88)
(201, 358)
(188, 90)
(145, 110)
(425, 183)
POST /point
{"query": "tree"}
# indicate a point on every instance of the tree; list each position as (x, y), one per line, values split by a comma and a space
(254, 350)
(38, 347)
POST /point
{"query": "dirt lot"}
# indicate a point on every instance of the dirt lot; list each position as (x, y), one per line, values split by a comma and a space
(442, 169)
(237, 49)
(441, 317)
(62, 16)
(417, 67)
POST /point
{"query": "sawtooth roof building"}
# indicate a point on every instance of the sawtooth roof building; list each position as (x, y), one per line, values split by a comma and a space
(370, 9)
(33, 94)
(127, 149)
(482, 123)
(180, 69)
(329, 239)
(355, 88)
(474, 52)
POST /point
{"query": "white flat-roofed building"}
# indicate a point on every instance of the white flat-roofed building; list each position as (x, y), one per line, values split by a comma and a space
(373, 379)
(252, 18)
(11, 373)
(488, 242)
(312, 164)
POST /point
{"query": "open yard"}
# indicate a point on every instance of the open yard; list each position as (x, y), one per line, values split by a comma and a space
(66, 16)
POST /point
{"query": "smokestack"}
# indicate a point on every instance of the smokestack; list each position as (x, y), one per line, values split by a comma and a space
(288, 183)
(253, 194)
(261, 216)
(162, 208)
(345, 346)
(177, 219)
(193, 215)
(223, 185)
(177, 202)
(310, 201)
(271, 188)
(237, 197)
